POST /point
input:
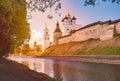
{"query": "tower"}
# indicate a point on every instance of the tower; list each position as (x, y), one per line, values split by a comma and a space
(35, 47)
(56, 34)
(46, 37)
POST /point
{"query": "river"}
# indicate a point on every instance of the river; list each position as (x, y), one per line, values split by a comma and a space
(72, 71)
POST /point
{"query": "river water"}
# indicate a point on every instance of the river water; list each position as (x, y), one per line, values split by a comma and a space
(72, 71)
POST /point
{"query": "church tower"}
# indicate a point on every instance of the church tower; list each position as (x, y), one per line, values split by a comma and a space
(46, 37)
(56, 34)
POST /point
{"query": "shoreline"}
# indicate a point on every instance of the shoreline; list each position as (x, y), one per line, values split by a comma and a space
(104, 59)
(13, 71)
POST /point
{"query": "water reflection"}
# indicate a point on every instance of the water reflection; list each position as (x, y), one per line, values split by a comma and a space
(73, 71)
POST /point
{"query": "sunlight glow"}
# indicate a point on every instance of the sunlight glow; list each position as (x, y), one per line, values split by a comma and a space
(36, 36)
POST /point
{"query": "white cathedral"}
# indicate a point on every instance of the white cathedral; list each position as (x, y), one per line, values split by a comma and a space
(69, 24)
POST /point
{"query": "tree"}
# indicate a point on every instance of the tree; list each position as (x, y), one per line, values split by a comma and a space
(93, 2)
(14, 29)
(25, 49)
(42, 6)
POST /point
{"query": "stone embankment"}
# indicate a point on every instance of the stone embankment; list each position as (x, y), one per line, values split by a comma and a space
(105, 59)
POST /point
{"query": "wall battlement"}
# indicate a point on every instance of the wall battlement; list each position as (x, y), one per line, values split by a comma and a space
(98, 30)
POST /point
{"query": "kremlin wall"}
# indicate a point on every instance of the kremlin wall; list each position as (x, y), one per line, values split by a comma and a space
(98, 30)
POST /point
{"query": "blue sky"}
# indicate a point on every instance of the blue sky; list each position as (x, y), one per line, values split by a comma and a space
(84, 14)
(88, 14)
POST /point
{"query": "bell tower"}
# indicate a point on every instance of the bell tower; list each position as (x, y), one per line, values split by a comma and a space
(46, 37)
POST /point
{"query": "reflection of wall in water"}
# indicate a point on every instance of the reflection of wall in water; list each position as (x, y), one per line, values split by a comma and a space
(37, 65)
(48, 67)
(30, 64)
(57, 72)
(41, 65)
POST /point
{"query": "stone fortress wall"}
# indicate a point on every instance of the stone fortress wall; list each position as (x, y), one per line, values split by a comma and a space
(98, 30)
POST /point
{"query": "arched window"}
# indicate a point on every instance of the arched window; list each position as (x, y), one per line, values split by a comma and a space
(46, 33)
(67, 29)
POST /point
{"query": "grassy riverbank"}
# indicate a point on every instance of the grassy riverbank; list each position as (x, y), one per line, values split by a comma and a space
(89, 47)
(12, 71)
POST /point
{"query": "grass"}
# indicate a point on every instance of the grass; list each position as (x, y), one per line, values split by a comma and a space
(88, 47)
(116, 35)
(53, 79)
(99, 51)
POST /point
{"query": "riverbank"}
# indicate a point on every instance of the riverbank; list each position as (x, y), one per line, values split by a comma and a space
(12, 71)
(92, 50)
(112, 59)
(88, 47)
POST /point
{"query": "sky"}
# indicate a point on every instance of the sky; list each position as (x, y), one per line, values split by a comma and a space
(84, 14)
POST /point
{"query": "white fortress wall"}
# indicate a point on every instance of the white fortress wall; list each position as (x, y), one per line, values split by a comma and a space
(98, 30)
(65, 39)
(78, 35)
(82, 34)
(87, 33)
(117, 27)
(93, 32)
(107, 32)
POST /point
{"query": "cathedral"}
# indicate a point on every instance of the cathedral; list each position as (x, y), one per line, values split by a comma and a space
(69, 24)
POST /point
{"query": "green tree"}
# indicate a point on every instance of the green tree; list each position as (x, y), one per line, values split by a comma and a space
(26, 49)
(14, 29)
(94, 2)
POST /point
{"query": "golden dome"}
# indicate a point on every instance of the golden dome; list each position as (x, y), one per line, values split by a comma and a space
(68, 15)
